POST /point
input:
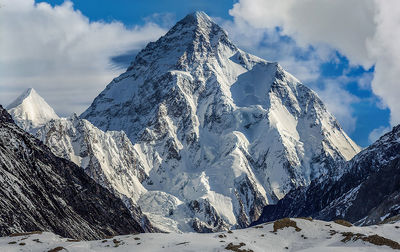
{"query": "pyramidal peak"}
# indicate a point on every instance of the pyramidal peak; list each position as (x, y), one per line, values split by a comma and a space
(28, 92)
(202, 113)
(194, 21)
(31, 111)
(197, 19)
(189, 40)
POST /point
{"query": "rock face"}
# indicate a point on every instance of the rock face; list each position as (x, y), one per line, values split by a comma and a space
(220, 133)
(367, 193)
(40, 191)
(30, 110)
(107, 157)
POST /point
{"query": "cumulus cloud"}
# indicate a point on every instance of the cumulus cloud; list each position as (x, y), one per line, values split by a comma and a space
(61, 53)
(271, 45)
(384, 48)
(346, 24)
(367, 32)
(338, 102)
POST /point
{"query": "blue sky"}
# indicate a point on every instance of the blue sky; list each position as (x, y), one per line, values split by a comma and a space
(342, 79)
(133, 12)
(366, 109)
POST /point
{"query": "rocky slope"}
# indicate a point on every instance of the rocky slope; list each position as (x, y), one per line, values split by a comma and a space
(107, 157)
(31, 111)
(220, 133)
(40, 191)
(367, 193)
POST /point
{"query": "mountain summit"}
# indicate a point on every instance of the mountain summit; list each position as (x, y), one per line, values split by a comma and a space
(30, 110)
(220, 133)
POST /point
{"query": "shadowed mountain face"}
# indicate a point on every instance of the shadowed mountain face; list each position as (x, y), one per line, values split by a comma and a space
(367, 193)
(219, 133)
(40, 191)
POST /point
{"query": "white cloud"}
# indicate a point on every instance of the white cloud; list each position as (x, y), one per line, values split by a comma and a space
(367, 32)
(377, 133)
(338, 102)
(269, 44)
(364, 81)
(384, 48)
(61, 53)
(343, 23)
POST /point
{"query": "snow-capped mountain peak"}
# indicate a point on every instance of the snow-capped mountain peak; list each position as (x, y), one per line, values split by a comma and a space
(218, 129)
(30, 110)
(197, 19)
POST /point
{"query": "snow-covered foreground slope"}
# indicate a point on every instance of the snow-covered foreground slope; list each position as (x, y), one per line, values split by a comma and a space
(220, 133)
(30, 110)
(308, 236)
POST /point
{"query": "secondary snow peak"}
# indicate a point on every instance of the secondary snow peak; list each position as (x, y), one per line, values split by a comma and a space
(30, 110)
(21, 98)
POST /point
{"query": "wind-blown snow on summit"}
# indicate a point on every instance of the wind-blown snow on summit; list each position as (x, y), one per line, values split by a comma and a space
(218, 130)
(30, 110)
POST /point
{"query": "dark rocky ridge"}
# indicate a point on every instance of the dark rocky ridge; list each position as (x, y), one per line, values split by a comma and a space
(40, 191)
(366, 194)
(4, 116)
